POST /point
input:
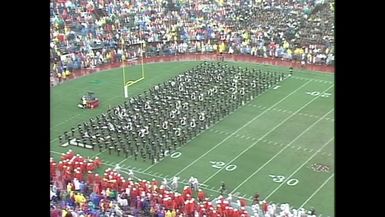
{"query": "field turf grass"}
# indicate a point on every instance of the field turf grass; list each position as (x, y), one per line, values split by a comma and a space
(271, 145)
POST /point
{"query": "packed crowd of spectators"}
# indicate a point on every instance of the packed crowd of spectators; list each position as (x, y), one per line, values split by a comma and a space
(77, 190)
(89, 33)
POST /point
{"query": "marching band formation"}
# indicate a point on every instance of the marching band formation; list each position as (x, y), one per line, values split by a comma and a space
(152, 125)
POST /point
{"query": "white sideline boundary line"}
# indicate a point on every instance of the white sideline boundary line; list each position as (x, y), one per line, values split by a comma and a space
(55, 152)
(235, 132)
(271, 130)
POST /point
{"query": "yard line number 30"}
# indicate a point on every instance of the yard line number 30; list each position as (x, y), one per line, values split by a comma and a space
(280, 179)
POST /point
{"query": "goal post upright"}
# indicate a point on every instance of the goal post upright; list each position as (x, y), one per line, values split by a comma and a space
(141, 50)
(125, 89)
(127, 83)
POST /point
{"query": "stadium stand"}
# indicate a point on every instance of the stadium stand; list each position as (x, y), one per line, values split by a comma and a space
(87, 34)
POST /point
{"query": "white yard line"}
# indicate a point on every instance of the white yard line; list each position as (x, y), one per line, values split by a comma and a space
(284, 148)
(235, 132)
(282, 122)
(316, 191)
(300, 167)
(124, 160)
(304, 114)
(208, 130)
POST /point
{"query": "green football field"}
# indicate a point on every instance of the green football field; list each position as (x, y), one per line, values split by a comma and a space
(280, 144)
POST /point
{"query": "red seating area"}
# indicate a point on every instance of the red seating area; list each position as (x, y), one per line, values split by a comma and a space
(80, 190)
